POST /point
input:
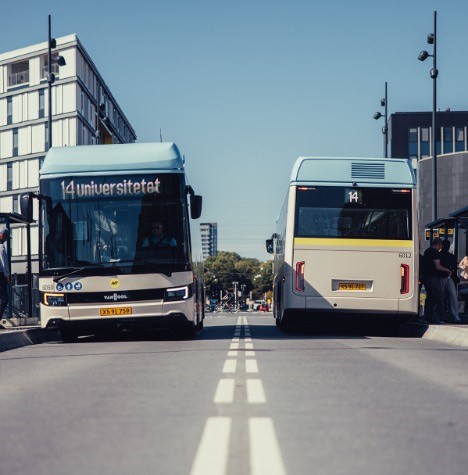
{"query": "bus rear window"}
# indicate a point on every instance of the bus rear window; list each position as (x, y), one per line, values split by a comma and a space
(349, 212)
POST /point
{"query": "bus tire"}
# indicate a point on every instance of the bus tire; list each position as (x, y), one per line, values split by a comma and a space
(284, 323)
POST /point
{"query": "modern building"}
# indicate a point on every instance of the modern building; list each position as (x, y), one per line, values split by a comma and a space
(209, 237)
(410, 136)
(84, 112)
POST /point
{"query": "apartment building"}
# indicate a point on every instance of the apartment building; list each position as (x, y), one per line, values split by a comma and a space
(209, 237)
(84, 112)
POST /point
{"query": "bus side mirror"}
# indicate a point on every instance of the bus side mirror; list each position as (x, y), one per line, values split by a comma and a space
(269, 246)
(195, 206)
(26, 206)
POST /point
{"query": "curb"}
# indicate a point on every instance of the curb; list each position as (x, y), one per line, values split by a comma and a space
(12, 339)
(452, 334)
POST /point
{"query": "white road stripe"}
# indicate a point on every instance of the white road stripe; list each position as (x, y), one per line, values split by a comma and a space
(249, 346)
(251, 366)
(229, 366)
(212, 453)
(248, 340)
(234, 346)
(265, 454)
(232, 353)
(235, 340)
(255, 391)
(250, 353)
(224, 392)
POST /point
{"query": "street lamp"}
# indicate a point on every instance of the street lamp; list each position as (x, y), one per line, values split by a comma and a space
(378, 115)
(60, 60)
(423, 55)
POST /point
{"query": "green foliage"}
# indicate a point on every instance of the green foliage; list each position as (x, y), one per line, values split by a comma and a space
(228, 267)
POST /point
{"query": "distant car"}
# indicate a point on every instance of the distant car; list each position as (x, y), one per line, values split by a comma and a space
(256, 305)
(263, 307)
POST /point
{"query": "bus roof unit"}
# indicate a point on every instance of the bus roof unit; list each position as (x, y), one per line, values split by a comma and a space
(118, 158)
(363, 171)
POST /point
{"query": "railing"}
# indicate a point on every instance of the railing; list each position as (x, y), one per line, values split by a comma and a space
(18, 78)
(45, 70)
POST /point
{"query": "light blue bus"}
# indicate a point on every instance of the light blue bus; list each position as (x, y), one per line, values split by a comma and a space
(346, 241)
(119, 241)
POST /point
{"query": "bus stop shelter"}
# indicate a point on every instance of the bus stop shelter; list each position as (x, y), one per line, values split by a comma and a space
(6, 220)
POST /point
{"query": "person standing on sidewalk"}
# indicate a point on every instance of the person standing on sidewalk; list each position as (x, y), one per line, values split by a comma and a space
(4, 271)
(434, 273)
(447, 259)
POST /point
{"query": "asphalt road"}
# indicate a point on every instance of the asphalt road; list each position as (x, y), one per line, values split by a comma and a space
(240, 398)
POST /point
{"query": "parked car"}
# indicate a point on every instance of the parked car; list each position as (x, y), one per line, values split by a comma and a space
(263, 307)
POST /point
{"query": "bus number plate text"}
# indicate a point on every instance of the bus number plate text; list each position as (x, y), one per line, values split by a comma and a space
(108, 312)
(351, 286)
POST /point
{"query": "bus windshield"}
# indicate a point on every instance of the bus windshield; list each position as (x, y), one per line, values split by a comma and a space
(125, 224)
(350, 212)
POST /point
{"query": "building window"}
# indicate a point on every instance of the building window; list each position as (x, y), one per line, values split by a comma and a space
(41, 104)
(413, 142)
(424, 144)
(459, 139)
(15, 142)
(15, 204)
(448, 139)
(9, 110)
(9, 176)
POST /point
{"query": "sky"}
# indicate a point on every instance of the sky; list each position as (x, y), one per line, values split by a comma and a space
(245, 87)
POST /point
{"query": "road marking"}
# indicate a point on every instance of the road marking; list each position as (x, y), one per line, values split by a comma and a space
(212, 452)
(255, 391)
(235, 340)
(248, 340)
(224, 392)
(250, 353)
(249, 346)
(265, 454)
(232, 353)
(234, 346)
(230, 366)
(251, 366)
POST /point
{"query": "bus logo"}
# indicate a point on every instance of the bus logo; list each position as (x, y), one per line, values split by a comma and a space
(114, 283)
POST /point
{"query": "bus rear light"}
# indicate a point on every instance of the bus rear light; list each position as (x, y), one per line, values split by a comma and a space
(300, 269)
(405, 272)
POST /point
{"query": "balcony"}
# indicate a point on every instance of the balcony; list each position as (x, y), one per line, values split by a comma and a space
(45, 70)
(16, 79)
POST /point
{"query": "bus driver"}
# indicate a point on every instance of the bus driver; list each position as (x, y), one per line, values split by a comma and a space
(158, 237)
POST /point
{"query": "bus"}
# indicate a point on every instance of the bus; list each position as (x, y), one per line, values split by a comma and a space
(119, 240)
(346, 241)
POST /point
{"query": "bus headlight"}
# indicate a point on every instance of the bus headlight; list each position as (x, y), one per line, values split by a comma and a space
(177, 293)
(55, 300)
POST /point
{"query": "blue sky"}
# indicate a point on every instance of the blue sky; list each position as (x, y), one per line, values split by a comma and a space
(246, 87)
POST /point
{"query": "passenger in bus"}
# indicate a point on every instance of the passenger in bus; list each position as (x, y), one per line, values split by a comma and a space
(434, 273)
(448, 260)
(158, 237)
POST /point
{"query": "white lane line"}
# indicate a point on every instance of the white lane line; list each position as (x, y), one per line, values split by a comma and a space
(213, 450)
(235, 340)
(230, 366)
(250, 353)
(248, 340)
(265, 453)
(234, 346)
(232, 353)
(249, 346)
(251, 366)
(224, 392)
(255, 391)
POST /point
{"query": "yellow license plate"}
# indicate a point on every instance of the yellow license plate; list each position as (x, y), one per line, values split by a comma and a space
(108, 312)
(351, 286)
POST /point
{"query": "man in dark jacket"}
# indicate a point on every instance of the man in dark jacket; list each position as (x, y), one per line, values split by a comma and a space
(448, 260)
(434, 273)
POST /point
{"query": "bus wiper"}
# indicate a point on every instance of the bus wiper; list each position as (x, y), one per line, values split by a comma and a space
(59, 278)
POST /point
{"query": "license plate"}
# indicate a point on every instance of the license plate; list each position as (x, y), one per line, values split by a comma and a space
(107, 312)
(351, 286)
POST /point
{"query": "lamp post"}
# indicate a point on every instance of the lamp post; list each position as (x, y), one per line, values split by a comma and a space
(423, 55)
(378, 115)
(60, 60)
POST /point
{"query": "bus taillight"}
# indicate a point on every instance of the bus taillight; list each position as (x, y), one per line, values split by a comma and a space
(300, 268)
(405, 271)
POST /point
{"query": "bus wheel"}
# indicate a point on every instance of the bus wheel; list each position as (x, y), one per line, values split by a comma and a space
(68, 335)
(284, 323)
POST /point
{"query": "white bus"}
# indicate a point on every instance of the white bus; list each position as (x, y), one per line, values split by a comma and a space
(346, 240)
(119, 243)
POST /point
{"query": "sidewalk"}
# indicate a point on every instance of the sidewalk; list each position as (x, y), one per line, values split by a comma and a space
(16, 337)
